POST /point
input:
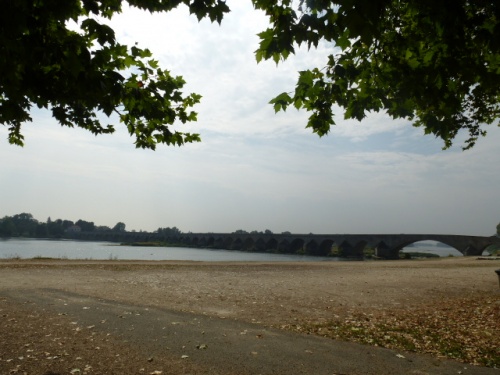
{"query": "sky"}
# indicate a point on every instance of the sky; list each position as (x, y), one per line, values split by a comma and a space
(254, 169)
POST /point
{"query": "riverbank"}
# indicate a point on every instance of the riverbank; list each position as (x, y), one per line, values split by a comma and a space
(446, 307)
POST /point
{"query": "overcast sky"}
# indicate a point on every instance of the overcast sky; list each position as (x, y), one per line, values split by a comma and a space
(253, 170)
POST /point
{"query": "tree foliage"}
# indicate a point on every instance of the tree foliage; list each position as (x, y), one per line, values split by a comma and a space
(174, 231)
(85, 73)
(119, 227)
(25, 225)
(435, 63)
(85, 226)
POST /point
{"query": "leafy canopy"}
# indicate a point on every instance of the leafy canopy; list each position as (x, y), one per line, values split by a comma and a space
(436, 63)
(81, 74)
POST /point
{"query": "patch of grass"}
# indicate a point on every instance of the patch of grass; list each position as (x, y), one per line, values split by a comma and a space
(464, 329)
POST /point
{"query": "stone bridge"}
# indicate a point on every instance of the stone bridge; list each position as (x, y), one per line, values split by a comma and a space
(350, 245)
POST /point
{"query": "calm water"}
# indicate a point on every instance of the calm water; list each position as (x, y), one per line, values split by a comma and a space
(31, 248)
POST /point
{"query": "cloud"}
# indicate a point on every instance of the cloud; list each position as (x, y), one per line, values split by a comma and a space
(218, 62)
(254, 169)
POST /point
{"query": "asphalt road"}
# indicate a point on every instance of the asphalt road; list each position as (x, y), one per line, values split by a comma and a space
(225, 346)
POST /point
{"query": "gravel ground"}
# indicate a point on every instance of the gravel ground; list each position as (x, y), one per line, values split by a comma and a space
(330, 299)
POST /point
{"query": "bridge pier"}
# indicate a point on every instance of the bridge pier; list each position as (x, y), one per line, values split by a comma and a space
(385, 252)
(471, 250)
(349, 251)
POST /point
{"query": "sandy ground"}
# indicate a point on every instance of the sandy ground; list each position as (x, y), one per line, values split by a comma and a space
(272, 295)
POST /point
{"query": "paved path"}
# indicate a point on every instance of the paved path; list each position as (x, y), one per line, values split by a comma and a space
(223, 346)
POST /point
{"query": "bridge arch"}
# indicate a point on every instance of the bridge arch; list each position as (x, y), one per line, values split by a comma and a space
(283, 246)
(260, 245)
(272, 245)
(210, 242)
(354, 251)
(219, 243)
(325, 247)
(437, 248)
(248, 244)
(237, 244)
(467, 245)
(310, 247)
(296, 246)
(404, 244)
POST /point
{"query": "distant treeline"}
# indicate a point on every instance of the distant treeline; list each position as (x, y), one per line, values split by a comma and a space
(25, 225)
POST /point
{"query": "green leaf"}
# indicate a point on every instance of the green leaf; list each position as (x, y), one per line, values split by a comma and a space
(281, 102)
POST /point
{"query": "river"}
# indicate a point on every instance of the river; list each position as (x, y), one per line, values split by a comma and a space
(66, 249)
